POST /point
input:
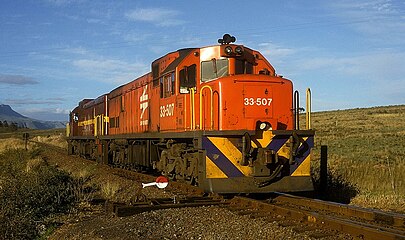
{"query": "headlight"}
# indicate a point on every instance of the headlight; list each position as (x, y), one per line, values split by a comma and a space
(264, 126)
(228, 50)
(238, 50)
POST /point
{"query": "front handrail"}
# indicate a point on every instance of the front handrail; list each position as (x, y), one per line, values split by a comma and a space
(308, 112)
(192, 110)
(212, 107)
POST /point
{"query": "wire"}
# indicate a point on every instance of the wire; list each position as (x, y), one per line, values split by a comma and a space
(207, 37)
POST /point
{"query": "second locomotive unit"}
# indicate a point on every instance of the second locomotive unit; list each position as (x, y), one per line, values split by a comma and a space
(218, 117)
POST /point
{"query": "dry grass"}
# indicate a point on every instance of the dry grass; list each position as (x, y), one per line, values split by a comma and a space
(15, 140)
(366, 148)
(12, 143)
(34, 164)
(56, 140)
(109, 189)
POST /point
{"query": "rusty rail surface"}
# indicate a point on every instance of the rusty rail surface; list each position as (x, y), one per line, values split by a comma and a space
(371, 215)
(301, 209)
(124, 210)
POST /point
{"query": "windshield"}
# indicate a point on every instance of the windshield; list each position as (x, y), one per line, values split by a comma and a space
(214, 68)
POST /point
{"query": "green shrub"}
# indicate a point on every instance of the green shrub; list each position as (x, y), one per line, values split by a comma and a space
(30, 191)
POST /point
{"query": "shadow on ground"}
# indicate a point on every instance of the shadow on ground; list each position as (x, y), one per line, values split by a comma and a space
(337, 189)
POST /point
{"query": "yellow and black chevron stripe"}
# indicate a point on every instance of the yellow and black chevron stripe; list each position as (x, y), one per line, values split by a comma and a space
(223, 156)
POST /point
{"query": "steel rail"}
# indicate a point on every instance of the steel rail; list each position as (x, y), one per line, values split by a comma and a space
(124, 210)
(391, 219)
(357, 229)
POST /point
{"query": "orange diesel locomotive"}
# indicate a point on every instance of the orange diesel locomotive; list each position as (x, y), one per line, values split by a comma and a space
(218, 117)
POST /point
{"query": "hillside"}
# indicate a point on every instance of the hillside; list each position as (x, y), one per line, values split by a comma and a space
(366, 153)
(11, 116)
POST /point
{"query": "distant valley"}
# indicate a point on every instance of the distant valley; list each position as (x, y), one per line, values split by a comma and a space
(11, 116)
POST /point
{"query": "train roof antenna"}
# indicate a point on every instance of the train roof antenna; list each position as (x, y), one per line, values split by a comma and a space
(227, 39)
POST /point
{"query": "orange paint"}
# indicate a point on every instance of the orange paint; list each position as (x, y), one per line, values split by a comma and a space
(246, 91)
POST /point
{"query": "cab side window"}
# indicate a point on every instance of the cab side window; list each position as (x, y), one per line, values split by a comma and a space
(187, 78)
(167, 85)
(243, 67)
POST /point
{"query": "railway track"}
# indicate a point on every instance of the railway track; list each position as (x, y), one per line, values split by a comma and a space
(304, 213)
(358, 222)
(123, 210)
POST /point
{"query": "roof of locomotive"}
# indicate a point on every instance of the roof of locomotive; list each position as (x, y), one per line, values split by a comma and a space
(183, 53)
(96, 101)
(122, 85)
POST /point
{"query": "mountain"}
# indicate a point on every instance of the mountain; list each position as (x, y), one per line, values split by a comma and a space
(6, 110)
(11, 116)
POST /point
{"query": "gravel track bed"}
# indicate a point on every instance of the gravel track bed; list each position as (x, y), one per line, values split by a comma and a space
(212, 222)
(186, 223)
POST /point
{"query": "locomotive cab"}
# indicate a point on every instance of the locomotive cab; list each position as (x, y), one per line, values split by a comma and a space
(259, 146)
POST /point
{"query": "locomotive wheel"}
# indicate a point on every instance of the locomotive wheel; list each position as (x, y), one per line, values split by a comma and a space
(178, 164)
(167, 166)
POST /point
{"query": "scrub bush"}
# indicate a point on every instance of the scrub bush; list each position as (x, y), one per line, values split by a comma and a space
(30, 191)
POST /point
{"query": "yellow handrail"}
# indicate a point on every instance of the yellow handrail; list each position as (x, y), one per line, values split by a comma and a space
(95, 126)
(101, 117)
(308, 112)
(67, 130)
(192, 112)
(212, 107)
(185, 111)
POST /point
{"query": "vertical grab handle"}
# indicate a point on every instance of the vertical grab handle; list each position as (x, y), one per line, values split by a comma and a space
(211, 110)
(296, 110)
(308, 112)
(192, 112)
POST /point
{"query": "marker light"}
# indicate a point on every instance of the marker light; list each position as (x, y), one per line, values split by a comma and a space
(228, 50)
(238, 50)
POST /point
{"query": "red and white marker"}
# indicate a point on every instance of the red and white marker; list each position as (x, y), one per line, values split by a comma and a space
(161, 182)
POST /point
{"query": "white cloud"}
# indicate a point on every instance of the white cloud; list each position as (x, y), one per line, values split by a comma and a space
(380, 18)
(135, 36)
(61, 111)
(376, 78)
(94, 20)
(76, 50)
(372, 7)
(100, 65)
(274, 50)
(158, 16)
(108, 70)
(379, 66)
(60, 3)
(16, 79)
(45, 113)
(32, 110)
(279, 56)
(32, 101)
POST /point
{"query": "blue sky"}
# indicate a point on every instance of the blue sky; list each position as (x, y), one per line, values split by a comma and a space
(53, 53)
